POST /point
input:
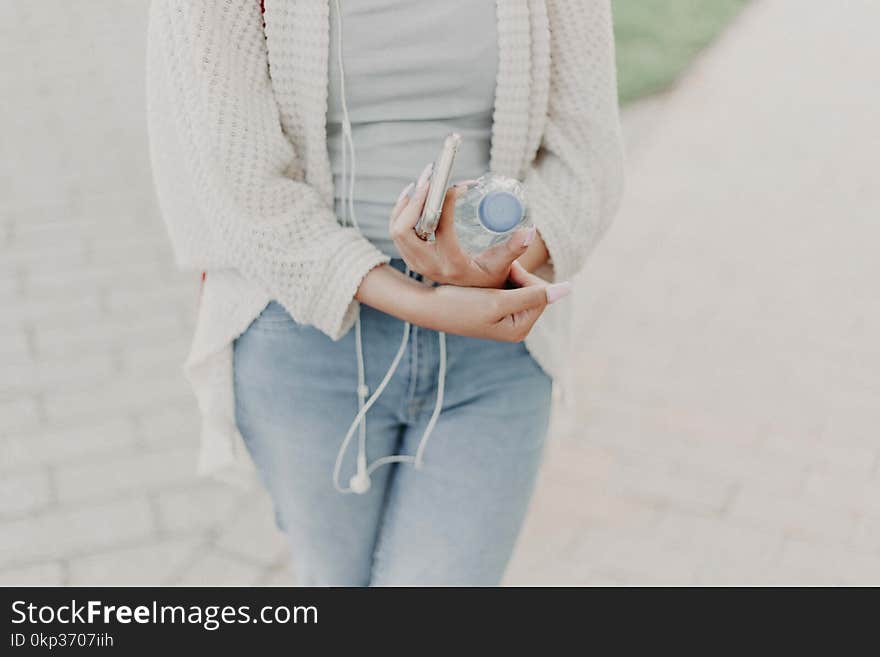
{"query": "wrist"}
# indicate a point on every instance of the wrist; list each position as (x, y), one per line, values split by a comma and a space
(416, 302)
(390, 291)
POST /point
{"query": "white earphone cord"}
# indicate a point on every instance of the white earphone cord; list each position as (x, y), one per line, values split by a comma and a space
(360, 482)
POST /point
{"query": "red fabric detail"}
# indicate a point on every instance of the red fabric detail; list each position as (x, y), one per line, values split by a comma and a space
(201, 289)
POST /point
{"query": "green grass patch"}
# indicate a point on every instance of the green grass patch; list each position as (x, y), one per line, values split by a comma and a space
(657, 39)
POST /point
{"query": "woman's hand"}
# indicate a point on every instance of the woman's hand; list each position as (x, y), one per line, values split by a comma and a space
(443, 260)
(505, 315)
(493, 314)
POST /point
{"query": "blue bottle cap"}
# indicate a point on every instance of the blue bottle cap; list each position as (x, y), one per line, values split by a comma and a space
(500, 211)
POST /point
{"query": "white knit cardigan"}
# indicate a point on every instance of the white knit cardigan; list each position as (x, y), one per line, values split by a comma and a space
(237, 107)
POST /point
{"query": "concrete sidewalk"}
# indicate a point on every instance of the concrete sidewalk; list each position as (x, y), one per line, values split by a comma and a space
(726, 426)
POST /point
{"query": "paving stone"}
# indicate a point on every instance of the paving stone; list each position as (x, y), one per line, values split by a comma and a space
(843, 492)
(121, 394)
(50, 573)
(24, 493)
(279, 577)
(71, 445)
(203, 506)
(214, 568)
(686, 491)
(867, 534)
(136, 471)
(99, 334)
(253, 533)
(172, 424)
(796, 517)
(53, 375)
(812, 563)
(30, 312)
(19, 414)
(75, 530)
(148, 564)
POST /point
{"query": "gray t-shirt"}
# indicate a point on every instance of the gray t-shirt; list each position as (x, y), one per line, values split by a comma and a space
(415, 70)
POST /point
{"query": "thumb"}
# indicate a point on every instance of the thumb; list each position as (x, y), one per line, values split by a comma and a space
(520, 299)
(534, 291)
(500, 256)
(519, 275)
(522, 277)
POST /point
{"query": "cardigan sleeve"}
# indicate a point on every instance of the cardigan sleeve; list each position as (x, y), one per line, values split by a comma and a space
(575, 183)
(227, 176)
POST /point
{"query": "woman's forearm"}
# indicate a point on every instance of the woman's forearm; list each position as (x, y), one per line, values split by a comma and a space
(470, 311)
(393, 292)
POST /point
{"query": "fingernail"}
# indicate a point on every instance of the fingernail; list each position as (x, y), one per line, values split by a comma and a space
(529, 236)
(558, 291)
(423, 179)
(406, 192)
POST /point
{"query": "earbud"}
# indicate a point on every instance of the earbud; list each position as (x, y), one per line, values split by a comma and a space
(359, 483)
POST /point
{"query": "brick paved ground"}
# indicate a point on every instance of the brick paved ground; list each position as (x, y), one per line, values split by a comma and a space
(726, 426)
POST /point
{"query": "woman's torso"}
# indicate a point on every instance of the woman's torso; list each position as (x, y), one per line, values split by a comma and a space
(414, 71)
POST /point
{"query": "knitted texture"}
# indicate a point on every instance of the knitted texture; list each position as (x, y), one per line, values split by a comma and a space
(237, 103)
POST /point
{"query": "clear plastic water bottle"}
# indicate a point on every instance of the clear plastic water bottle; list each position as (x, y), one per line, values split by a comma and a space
(489, 211)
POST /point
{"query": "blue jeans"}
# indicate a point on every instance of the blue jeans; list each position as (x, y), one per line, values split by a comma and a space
(455, 520)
